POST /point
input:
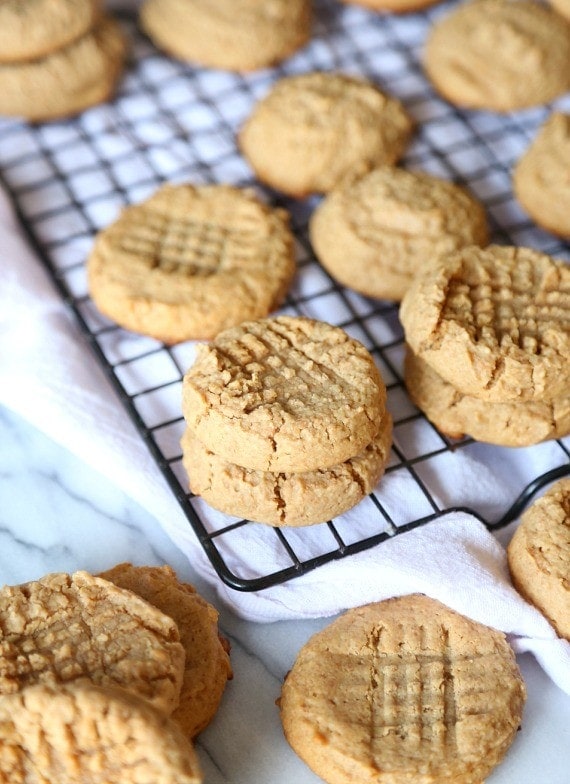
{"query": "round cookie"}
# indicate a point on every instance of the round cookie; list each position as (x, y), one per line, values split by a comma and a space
(66, 627)
(503, 424)
(207, 665)
(375, 234)
(191, 261)
(83, 733)
(314, 129)
(284, 394)
(286, 499)
(236, 35)
(499, 55)
(67, 81)
(539, 556)
(494, 323)
(540, 178)
(33, 28)
(400, 691)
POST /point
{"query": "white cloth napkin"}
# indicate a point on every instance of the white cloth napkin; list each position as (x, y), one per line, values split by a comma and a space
(48, 376)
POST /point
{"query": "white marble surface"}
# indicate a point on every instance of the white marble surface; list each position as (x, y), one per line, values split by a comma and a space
(56, 514)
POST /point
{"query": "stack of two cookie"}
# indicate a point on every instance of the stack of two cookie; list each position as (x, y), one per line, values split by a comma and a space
(57, 57)
(489, 345)
(286, 422)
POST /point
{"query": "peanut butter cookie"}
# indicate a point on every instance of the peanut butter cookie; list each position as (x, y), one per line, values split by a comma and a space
(67, 81)
(286, 499)
(313, 130)
(66, 627)
(84, 733)
(207, 665)
(495, 323)
(499, 55)
(404, 690)
(191, 261)
(377, 233)
(539, 556)
(284, 394)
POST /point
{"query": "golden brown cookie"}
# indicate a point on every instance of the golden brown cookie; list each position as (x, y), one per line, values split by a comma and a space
(191, 261)
(377, 233)
(314, 129)
(286, 499)
(67, 81)
(562, 6)
(499, 55)
(65, 627)
(33, 28)
(539, 556)
(207, 666)
(284, 394)
(494, 323)
(540, 178)
(237, 35)
(504, 424)
(402, 691)
(80, 732)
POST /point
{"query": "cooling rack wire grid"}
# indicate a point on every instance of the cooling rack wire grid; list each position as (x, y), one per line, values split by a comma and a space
(177, 123)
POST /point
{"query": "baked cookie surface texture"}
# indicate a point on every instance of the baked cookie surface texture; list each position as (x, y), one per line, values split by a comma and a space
(63, 628)
(539, 556)
(377, 233)
(236, 35)
(191, 261)
(68, 80)
(494, 322)
(284, 394)
(83, 733)
(500, 55)
(207, 664)
(540, 178)
(312, 130)
(402, 691)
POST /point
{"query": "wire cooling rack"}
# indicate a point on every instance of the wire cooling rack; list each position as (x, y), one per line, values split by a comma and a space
(173, 122)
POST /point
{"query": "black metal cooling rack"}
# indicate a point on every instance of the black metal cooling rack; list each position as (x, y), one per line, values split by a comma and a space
(174, 122)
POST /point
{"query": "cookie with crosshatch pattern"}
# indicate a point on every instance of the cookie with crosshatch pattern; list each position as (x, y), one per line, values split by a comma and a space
(403, 690)
(191, 261)
(494, 322)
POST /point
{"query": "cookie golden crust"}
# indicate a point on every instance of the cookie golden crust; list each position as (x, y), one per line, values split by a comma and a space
(66, 82)
(500, 55)
(494, 322)
(235, 35)
(540, 178)
(33, 28)
(403, 690)
(66, 627)
(286, 499)
(192, 261)
(505, 424)
(313, 130)
(81, 732)
(539, 556)
(207, 666)
(377, 233)
(284, 394)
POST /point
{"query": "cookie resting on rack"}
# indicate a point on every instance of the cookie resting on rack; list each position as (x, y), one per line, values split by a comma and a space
(234, 35)
(284, 394)
(499, 55)
(67, 81)
(494, 323)
(400, 691)
(377, 233)
(207, 664)
(312, 130)
(191, 261)
(65, 734)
